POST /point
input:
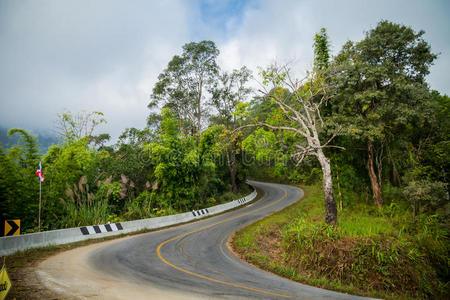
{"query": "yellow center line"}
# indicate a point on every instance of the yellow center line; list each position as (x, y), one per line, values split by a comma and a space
(158, 251)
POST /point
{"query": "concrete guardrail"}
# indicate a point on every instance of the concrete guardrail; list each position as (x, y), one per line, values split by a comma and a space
(12, 244)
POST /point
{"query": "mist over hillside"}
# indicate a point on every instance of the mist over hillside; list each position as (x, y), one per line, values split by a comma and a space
(45, 138)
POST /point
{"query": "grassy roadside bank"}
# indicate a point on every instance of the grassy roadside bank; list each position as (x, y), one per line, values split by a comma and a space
(378, 253)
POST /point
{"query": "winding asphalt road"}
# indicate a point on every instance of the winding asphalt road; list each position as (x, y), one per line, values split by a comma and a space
(194, 258)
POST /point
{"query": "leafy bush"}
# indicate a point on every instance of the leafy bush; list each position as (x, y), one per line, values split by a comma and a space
(140, 208)
(428, 196)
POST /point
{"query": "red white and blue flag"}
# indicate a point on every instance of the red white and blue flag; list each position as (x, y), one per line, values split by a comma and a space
(39, 173)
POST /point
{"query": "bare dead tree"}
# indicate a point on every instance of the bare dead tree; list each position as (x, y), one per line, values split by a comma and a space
(80, 125)
(301, 108)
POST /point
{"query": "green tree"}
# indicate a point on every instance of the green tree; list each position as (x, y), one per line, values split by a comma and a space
(27, 148)
(130, 158)
(228, 93)
(381, 86)
(180, 172)
(19, 184)
(65, 165)
(427, 142)
(183, 83)
(321, 49)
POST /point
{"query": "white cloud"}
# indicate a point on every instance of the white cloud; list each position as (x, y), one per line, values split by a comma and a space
(91, 55)
(106, 55)
(283, 31)
(272, 32)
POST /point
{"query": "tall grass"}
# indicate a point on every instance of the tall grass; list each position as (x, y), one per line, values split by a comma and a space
(86, 215)
(83, 207)
(374, 252)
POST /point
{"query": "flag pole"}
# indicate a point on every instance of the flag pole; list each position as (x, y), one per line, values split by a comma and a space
(41, 178)
(40, 188)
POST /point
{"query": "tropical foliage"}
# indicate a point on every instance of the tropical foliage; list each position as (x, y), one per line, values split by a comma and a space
(364, 123)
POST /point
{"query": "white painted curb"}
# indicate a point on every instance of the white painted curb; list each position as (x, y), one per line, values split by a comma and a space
(12, 244)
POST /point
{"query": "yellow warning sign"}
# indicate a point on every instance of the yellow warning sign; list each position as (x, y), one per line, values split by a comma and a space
(5, 283)
(12, 227)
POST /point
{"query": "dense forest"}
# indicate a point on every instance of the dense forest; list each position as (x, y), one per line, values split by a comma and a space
(364, 124)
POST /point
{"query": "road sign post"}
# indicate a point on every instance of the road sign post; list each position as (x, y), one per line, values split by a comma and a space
(5, 283)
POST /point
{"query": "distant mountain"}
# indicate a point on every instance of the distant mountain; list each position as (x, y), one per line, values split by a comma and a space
(45, 139)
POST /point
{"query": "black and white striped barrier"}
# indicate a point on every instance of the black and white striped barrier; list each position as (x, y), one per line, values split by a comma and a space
(12, 244)
(247, 198)
(101, 228)
(201, 212)
(241, 201)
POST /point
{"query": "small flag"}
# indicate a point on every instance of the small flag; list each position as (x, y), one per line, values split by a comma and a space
(39, 173)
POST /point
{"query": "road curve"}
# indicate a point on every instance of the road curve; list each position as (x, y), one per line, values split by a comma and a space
(192, 260)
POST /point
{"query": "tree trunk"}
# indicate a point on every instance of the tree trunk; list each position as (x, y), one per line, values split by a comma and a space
(330, 202)
(395, 175)
(231, 162)
(198, 125)
(376, 191)
(199, 111)
(340, 205)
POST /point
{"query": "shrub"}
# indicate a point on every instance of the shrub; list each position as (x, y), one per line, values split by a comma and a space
(428, 196)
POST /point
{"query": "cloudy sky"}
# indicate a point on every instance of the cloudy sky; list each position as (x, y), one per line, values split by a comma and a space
(105, 55)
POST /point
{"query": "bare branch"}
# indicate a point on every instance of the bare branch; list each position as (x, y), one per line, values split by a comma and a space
(296, 130)
(332, 146)
(334, 135)
(299, 117)
(301, 155)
